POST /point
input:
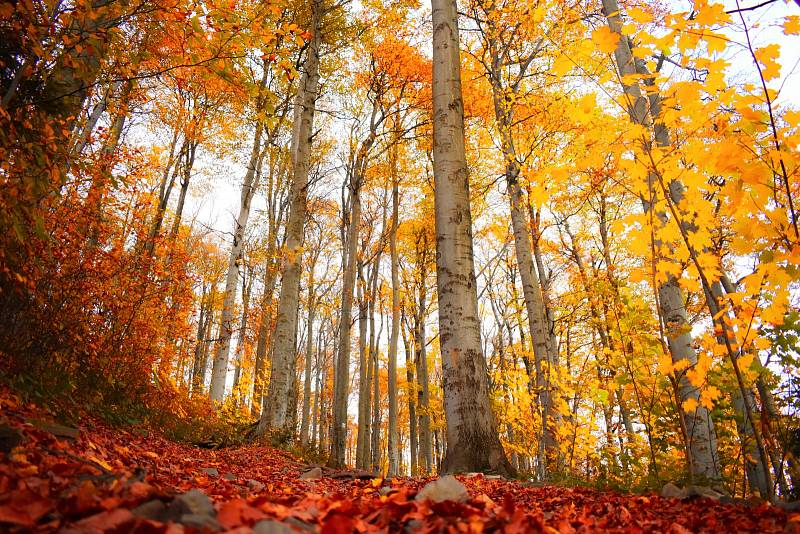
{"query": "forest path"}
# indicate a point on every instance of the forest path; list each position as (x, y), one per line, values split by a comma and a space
(111, 480)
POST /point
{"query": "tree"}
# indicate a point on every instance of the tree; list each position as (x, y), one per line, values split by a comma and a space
(275, 416)
(472, 440)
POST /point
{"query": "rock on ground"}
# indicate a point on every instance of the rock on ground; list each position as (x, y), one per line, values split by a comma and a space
(447, 488)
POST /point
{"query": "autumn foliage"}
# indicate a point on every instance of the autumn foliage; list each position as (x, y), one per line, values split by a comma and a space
(217, 221)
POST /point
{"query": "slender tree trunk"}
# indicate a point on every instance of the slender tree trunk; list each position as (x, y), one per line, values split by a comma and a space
(275, 415)
(198, 348)
(364, 391)
(700, 434)
(412, 409)
(259, 372)
(309, 357)
(187, 174)
(219, 371)
(247, 286)
(472, 440)
(342, 371)
(394, 450)
(425, 451)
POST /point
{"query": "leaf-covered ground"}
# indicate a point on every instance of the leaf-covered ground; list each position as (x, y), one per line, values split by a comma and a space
(108, 480)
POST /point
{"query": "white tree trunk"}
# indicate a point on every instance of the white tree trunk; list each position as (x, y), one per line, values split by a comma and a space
(219, 371)
(472, 440)
(700, 435)
(275, 415)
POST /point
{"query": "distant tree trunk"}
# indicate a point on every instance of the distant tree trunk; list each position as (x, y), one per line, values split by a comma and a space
(364, 392)
(247, 286)
(275, 414)
(202, 319)
(412, 409)
(374, 339)
(425, 451)
(259, 380)
(187, 174)
(342, 370)
(394, 449)
(309, 357)
(219, 371)
(472, 440)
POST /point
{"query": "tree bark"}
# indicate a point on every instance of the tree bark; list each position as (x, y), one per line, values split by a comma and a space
(394, 450)
(275, 415)
(342, 371)
(364, 365)
(701, 437)
(219, 370)
(309, 357)
(472, 440)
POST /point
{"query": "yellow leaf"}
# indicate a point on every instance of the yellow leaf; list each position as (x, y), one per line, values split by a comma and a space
(768, 56)
(561, 65)
(605, 39)
(665, 364)
(639, 15)
(791, 26)
(689, 405)
(710, 14)
(709, 395)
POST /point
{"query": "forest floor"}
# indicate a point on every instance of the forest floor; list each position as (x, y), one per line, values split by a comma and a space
(98, 479)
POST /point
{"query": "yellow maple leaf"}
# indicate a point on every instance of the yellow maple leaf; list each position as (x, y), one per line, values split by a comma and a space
(639, 15)
(561, 65)
(768, 57)
(605, 39)
(791, 26)
(689, 405)
(665, 364)
(709, 395)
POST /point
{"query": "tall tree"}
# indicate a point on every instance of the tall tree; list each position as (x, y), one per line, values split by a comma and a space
(472, 440)
(275, 415)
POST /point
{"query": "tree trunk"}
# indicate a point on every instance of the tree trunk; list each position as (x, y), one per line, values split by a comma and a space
(472, 440)
(364, 392)
(342, 371)
(274, 416)
(701, 437)
(309, 356)
(219, 370)
(425, 462)
(394, 450)
(412, 409)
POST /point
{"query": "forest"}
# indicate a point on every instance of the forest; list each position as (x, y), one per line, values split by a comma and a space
(343, 249)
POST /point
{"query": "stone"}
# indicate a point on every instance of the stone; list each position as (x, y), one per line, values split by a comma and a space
(229, 476)
(203, 523)
(272, 527)
(446, 488)
(301, 525)
(386, 490)
(312, 474)
(193, 502)
(671, 491)
(154, 510)
(211, 471)
(255, 485)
